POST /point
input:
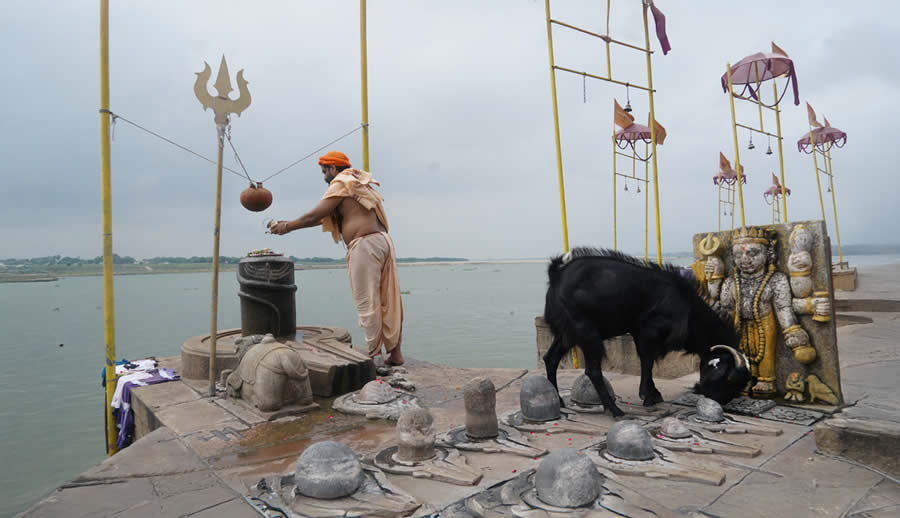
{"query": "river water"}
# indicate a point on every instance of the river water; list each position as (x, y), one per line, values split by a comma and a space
(52, 345)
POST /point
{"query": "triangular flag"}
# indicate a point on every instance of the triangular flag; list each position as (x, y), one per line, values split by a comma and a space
(812, 116)
(659, 20)
(827, 124)
(724, 164)
(660, 131)
(775, 180)
(622, 118)
(778, 50)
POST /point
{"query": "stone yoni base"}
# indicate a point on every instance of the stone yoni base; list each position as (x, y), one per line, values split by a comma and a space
(621, 356)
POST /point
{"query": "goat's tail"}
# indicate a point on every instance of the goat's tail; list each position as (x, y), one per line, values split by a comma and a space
(557, 264)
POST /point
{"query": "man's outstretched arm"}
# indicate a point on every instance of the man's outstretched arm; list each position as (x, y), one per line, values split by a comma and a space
(310, 219)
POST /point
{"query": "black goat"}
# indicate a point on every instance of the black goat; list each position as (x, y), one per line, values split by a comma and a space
(597, 294)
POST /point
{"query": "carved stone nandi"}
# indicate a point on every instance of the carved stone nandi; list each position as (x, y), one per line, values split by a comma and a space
(270, 375)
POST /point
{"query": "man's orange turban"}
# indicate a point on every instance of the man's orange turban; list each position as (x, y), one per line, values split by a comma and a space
(334, 158)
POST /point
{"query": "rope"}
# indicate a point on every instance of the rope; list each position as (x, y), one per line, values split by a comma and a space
(345, 135)
(237, 157)
(116, 116)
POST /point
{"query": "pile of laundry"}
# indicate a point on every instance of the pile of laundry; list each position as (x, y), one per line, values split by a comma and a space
(138, 373)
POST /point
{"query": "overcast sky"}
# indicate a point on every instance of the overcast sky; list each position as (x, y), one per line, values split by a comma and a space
(461, 120)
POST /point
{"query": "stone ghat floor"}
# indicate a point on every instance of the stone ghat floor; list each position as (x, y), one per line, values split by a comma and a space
(203, 454)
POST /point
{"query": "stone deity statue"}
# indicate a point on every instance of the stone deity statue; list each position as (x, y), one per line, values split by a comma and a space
(759, 299)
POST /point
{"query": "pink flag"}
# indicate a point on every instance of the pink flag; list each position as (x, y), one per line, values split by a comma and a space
(659, 20)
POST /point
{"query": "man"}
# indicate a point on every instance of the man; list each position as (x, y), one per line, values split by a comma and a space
(352, 209)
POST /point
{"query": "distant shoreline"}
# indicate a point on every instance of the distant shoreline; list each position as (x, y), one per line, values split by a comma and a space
(160, 269)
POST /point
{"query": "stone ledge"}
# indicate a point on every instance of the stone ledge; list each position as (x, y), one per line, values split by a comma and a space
(872, 442)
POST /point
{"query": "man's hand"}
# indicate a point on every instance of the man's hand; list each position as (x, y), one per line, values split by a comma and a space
(280, 228)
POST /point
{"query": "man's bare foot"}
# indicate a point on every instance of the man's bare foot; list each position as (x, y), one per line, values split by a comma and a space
(395, 358)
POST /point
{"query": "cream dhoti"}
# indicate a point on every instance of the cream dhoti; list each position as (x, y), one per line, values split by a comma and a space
(372, 267)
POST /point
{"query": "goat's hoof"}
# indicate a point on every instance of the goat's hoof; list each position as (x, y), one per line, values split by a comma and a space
(653, 399)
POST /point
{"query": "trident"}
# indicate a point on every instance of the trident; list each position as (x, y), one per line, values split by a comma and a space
(222, 106)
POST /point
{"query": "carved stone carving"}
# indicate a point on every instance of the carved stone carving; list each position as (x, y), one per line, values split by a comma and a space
(270, 375)
(776, 289)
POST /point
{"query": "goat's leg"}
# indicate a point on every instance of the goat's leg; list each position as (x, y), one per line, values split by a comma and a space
(594, 372)
(552, 358)
(647, 391)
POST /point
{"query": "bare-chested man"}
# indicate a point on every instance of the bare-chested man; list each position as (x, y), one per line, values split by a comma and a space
(352, 210)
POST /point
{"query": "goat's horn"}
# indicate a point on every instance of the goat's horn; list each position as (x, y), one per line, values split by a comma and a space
(739, 358)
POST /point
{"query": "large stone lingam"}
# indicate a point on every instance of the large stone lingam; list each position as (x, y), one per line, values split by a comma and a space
(267, 292)
(329, 480)
(540, 411)
(482, 432)
(416, 454)
(565, 483)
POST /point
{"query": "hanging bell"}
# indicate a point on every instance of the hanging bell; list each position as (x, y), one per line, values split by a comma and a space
(639, 188)
(751, 146)
(627, 99)
(256, 198)
(769, 150)
(829, 189)
(628, 107)
(626, 186)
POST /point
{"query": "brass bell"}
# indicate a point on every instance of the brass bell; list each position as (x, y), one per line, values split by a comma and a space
(769, 150)
(628, 107)
(751, 146)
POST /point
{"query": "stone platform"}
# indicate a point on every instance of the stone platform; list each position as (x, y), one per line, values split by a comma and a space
(198, 456)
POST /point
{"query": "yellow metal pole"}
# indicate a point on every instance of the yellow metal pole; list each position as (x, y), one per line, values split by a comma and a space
(812, 141)
(615, 233)
(608, 60)
(559, 166)
(731, 202)
(719, 205)
(109, 324)
(834, 204)
(653, 137)
(759, 96)
(213, 331)
(780, 152)
(646, 201)
(737, 153)
(364, 75)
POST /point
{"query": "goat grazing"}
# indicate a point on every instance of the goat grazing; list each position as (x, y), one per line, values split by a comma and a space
(596, 294)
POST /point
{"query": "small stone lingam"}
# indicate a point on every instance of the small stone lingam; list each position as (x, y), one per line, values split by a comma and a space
(630, 451)
(482, 432)
(376, 400)
(710, 417)
(673, 435)
(329, 480)
(540, 411)
(416, 454)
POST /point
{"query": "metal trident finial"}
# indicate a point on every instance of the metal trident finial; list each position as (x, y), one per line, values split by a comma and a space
(221, 104)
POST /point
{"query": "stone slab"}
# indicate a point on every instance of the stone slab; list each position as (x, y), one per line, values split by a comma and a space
(874, 443)
(158, 453)
(812, 485)
(883, 500)
(197, 415)
(792, 415)
(844, 279)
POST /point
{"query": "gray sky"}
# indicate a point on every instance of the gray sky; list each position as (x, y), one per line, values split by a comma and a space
(460, 112)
